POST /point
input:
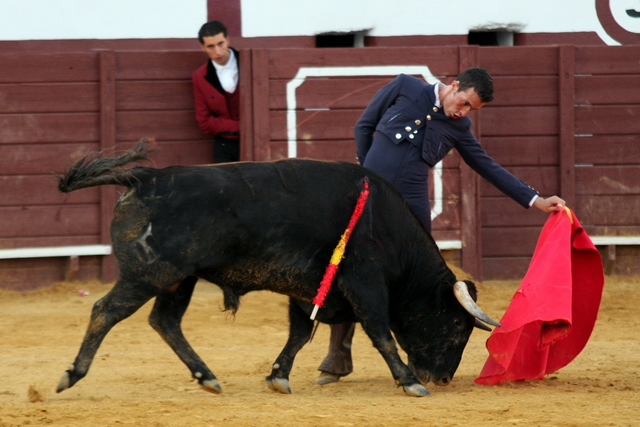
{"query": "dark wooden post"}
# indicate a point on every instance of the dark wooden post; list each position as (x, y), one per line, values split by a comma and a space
(470, 225)
(260, 88)
(566, 117)
(107, 59)
(228, 12)
(246, 106)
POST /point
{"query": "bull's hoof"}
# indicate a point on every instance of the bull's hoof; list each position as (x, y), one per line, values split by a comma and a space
(416, 390)
(212, 386)
(280, 385)
(327, 378)
(65, 382)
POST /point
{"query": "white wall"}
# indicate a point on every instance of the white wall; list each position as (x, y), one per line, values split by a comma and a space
(93, 19)
(118, 19)
(427, 17)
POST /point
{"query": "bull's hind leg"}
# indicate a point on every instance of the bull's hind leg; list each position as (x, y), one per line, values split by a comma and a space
(300, 329)
(121, 302)
(166, 318)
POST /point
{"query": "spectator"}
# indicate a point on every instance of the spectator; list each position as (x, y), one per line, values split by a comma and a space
(216, 92)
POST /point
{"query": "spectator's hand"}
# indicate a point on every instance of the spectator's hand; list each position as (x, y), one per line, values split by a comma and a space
(550, 204)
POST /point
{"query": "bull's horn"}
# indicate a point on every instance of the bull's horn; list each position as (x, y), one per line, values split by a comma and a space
(461, 292)
(478, 324)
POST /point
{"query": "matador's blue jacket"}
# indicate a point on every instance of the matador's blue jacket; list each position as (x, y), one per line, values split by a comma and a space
(404, 110)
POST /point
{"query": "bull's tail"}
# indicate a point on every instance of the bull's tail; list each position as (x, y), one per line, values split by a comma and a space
(92, 170)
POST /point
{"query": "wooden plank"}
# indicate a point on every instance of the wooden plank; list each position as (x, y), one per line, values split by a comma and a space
(620, 150)
(608, 180)
(48, 97)
(557, 39)
(161, 125)
(261, 113)
(285, 63)
(158, 65)
(452, 160)
(609, 230)
(626, 265)
(54, 67)
(470, 204)
(530, 150)
(448, 223)
(48, 128)
(452, 258)
(315, 125)
(504, 212)
(418, 41)
(516, 60)
(608, 120)
(53, 220)
(25, 190)
(567, 173)
(599, 90)
(186, 153)
(24, 275)
(89, 45)
(608, 210)
(47, 241)
(229, 12)
(519, 121)
(510, 241)
(505, 268)
(448, 234)
(154, 95)
(333, 149)
(328, 92)
(542, 179)
(607, 60)
(36, 263)
(525, 90)
(246, 105)
(108, 195)
(19, 159)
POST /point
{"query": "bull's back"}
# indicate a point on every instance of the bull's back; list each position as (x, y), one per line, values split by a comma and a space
(275, 212)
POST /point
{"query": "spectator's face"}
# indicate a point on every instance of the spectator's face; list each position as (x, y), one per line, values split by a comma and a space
(458, 104)
(217, 48)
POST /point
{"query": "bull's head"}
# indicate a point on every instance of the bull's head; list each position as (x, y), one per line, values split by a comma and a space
(434, 341)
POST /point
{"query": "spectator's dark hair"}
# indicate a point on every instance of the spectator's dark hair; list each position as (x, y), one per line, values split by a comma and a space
(211, 28)
(478, 79)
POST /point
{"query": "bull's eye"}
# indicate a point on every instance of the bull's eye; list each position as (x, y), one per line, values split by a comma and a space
(457, 322)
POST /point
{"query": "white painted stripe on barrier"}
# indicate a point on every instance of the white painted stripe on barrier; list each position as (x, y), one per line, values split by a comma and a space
(448, 245)
(372, 70)
(615, 240)
(55, 251)
(93, 250)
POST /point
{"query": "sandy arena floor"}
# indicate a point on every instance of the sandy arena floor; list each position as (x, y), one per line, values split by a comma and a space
(137, 380)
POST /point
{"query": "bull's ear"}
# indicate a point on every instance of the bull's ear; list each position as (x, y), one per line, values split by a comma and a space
(478, 324)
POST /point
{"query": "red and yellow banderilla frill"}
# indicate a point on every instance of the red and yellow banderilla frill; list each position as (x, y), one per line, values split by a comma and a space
(338, 252)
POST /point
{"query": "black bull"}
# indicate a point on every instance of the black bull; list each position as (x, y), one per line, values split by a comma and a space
(273, 226)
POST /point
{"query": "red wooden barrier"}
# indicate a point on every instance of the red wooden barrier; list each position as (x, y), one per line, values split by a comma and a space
(564, 119)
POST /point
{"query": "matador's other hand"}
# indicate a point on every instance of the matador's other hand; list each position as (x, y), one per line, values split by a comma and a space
(550, 204)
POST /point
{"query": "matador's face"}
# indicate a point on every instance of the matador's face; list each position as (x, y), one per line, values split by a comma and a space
(458, 103)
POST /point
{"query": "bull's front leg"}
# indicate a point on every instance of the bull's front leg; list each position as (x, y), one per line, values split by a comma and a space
(386, 345)
(300, 329)
(370, 305)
